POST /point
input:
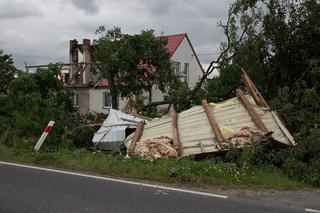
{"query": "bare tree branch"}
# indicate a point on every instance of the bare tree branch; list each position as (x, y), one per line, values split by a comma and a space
(152, 104)
(215, 64)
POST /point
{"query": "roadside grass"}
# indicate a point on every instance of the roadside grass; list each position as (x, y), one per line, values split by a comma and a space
(186, 171)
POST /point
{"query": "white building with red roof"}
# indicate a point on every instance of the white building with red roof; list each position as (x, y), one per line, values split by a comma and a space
(184, 61)
(93, 96)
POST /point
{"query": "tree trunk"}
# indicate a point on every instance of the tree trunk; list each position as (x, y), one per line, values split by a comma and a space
(150, 94)
(114, 93)
(115, 102)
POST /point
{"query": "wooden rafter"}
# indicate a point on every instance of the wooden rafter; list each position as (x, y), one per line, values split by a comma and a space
(253, 114)
(253, 90)
(213, 123)
(175, 129)
(136, 137)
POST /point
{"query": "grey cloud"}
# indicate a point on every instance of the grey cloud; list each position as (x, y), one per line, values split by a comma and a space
(159, 7)
(63, 20)
(12, 9)
(89, 6)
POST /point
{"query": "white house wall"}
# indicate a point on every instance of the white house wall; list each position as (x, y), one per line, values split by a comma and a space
(83, 93)
(97, 101)
(183, 54)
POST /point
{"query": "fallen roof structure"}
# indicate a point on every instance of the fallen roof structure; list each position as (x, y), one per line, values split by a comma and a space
(211, 128)
(113, 129)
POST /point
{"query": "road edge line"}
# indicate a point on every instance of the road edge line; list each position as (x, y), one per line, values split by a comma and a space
(312, 210)
(116, 180)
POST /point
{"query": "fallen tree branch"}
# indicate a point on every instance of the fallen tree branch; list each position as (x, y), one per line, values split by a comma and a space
(152, 104)
(216, 64)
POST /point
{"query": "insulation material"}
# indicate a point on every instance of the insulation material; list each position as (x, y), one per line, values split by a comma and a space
(155, 148)
(244, 137)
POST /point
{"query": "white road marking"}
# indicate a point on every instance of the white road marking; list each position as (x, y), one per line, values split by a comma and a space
(313, 210)
(159, 191)
(117, 180)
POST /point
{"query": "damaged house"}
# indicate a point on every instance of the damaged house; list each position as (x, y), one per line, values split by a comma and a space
(91, 90)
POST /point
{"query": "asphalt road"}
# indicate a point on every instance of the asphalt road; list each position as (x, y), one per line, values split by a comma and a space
(33, 190)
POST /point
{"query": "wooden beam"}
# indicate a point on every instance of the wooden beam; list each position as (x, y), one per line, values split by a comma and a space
(62, 64)
(136, 137)
(254, 116)
(253, 90)
(213, 123)
(175, 129)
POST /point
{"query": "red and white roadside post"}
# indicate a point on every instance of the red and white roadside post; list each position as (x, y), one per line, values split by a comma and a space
(45, 133)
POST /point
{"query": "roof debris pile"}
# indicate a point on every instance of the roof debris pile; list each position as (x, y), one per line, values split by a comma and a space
(245, 137)
(214, 127)
(156, 148)
(115, 129)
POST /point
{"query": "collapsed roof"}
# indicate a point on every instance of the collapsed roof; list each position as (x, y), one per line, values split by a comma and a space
(215, 127)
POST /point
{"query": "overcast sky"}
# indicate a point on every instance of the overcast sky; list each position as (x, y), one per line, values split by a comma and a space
(38, 31)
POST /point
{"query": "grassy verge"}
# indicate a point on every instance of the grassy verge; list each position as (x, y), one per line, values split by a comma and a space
(206, 172)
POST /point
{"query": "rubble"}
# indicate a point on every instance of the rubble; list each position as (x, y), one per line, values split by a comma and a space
(116, 127)
(156, 148)
(245, 137)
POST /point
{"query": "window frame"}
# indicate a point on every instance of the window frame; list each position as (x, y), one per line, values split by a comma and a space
(176, 67)
(104, 100)
(76, 100)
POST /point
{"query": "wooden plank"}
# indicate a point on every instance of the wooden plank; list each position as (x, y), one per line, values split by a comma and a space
(253, 90)
(213, 123)
(254, 116)
(175, 129)
(136, 137)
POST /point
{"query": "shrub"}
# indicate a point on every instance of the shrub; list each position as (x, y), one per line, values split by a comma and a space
(82, 136)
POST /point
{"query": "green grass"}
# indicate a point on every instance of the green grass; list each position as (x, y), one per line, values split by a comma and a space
(186, 171)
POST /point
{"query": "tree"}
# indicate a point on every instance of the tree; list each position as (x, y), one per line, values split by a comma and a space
(7, 71)
(233, 39)
(32, 100)
(133, 63)
(281, 54)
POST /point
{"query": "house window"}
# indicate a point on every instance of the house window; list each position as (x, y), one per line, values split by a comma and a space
(185, 73)
(107, 100)
(75, 100)
(176, 67)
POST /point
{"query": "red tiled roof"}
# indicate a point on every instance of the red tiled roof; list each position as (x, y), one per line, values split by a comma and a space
(103, 83)
(174, 41)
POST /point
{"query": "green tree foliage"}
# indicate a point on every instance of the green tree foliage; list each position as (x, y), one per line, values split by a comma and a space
(281, 55)
(33, 100)
(133, 63)
(7, 71)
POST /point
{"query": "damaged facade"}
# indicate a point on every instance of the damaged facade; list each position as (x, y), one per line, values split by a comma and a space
(90, 90)
(85, 81)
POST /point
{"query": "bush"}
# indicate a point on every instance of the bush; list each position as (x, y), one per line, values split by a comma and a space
(82, 136)
(301, 163)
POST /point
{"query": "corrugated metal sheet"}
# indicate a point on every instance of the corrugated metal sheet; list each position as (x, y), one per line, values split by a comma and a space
(195, 131)
(112, 131)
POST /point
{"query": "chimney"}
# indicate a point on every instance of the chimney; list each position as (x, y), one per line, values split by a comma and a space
(86, 59)
(73, 59)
